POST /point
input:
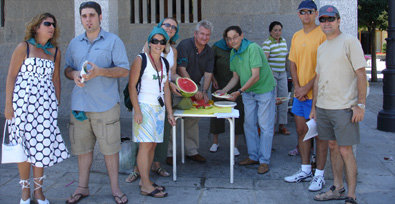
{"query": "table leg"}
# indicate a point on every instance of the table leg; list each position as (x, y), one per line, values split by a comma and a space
(174, 128)
(182, 142)
(232, 146)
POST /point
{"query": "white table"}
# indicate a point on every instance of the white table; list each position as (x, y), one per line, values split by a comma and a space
(178, 114)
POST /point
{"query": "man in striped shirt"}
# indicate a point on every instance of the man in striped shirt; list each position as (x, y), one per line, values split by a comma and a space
(275, 48)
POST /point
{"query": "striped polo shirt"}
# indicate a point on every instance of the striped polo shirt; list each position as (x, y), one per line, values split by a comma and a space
(277, 53)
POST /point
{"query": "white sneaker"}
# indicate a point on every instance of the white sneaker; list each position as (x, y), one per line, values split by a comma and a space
(317, 183)
(236, 152)
(299, 176)
(214, 148)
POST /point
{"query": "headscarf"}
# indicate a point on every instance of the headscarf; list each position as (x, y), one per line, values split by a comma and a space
(158, 30)
(175, 37)
(38, 45)
(222, 45)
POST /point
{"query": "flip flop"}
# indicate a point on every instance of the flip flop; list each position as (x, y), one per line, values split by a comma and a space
(161, 188)
(154, 193)
(76, 197)
(132, 177)
(120, 199)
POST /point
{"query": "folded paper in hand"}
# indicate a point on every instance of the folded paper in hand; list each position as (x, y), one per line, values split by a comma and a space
(312, 132)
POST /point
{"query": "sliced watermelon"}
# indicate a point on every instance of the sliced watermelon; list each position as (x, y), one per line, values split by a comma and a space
(187, 87)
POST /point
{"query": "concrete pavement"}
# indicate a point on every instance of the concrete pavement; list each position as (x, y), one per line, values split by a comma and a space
(209, 182)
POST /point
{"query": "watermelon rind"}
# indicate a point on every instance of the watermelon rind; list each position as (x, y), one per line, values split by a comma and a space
(184, 93)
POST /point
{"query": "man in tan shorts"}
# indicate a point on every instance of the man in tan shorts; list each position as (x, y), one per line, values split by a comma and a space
(339, 98)
(95, 98)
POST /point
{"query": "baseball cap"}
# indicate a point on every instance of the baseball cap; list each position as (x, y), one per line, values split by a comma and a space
(328, 10)
(307, 4)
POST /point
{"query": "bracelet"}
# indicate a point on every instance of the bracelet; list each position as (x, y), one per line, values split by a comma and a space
(240, 91)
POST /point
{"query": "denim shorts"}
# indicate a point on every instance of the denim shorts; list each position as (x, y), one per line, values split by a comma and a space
(302, 108)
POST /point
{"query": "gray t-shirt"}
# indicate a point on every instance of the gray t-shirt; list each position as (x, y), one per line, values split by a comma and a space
(196, 63)
(107, 50)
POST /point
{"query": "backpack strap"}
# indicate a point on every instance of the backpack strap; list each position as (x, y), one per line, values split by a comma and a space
(166, 64)
(56, 52)
(143, 65)
(27, 49)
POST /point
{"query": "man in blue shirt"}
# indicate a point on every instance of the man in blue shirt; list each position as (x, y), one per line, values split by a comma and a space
(95, 98)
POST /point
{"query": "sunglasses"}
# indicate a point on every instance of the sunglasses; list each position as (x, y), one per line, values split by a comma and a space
(168, 25)
(304, 12)
(327, 19)
(156, 41)
(48, 24)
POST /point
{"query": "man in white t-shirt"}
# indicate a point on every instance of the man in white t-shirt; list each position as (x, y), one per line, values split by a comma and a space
(339, 97)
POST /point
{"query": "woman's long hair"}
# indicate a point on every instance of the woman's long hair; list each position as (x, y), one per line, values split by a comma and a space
(35, 23)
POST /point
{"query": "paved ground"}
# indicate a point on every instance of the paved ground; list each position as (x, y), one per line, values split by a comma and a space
(209, 182)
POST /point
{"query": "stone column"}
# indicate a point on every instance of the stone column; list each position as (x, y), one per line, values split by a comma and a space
(348, 10)
(109, 13)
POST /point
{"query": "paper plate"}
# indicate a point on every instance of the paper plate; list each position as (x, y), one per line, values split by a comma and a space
(221, 96)
(225, 104)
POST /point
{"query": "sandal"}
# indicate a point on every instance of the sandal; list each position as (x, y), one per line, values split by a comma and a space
(24, 184)
(331, 194)
(155, 193)
(132, 177)
(36, 182)
(161, 188)
(120, 199)
(350, 200)
(284, 131)
(77, 197)
(161, 172)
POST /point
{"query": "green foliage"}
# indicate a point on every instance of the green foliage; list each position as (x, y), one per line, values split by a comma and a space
(373, 14)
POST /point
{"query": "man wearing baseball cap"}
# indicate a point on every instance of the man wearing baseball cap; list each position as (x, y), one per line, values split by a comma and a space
(303, 56)
(338, 105)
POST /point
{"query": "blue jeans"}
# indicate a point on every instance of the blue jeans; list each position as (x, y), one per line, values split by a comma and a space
(259, 109)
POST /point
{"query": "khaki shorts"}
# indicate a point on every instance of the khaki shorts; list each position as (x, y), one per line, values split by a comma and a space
(337, 125)
(105, 127)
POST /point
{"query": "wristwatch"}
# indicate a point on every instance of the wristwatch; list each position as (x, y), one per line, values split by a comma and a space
(361, 105)
(240, 91)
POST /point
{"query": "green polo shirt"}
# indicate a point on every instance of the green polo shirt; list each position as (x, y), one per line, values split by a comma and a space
(252, 57)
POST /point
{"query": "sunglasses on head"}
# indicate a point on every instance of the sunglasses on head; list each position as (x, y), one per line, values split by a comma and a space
(327, 19)
(304, 12)
(48, 24)
(167, 25)
(156, 41)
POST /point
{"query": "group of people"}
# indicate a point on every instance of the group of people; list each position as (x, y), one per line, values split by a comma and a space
(253, 75)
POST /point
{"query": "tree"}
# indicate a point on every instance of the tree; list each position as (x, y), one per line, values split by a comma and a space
(372, 15)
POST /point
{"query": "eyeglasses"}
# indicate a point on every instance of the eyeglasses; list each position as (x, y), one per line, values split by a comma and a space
(156, 41)
(327, 19)
(168, 25)
(304, 12)
(232, 39)
(48, 24)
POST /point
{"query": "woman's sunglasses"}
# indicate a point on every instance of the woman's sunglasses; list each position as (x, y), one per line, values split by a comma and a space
(167, 25)
(156, 41)
(48, 24)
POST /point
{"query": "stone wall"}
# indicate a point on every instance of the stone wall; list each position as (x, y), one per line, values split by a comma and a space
(254, 17)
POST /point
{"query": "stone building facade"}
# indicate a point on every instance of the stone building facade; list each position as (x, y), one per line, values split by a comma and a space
(254, 16)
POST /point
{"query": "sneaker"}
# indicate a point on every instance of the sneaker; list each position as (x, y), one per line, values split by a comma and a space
(293, 152)
(332, 194)
(299, 176)
(236, 152)
(214, 148)
(317, 183)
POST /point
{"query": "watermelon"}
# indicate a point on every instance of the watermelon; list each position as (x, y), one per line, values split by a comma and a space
(187, 87)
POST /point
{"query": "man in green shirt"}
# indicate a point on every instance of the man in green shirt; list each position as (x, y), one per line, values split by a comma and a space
(249, 65)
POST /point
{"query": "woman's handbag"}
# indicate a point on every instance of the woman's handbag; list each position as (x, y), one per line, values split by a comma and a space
(11, 153)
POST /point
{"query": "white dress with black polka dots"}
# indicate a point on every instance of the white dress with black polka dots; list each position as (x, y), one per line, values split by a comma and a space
(35, 114)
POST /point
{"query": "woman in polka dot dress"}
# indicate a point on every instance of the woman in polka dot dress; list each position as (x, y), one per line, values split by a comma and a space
(32, 95)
